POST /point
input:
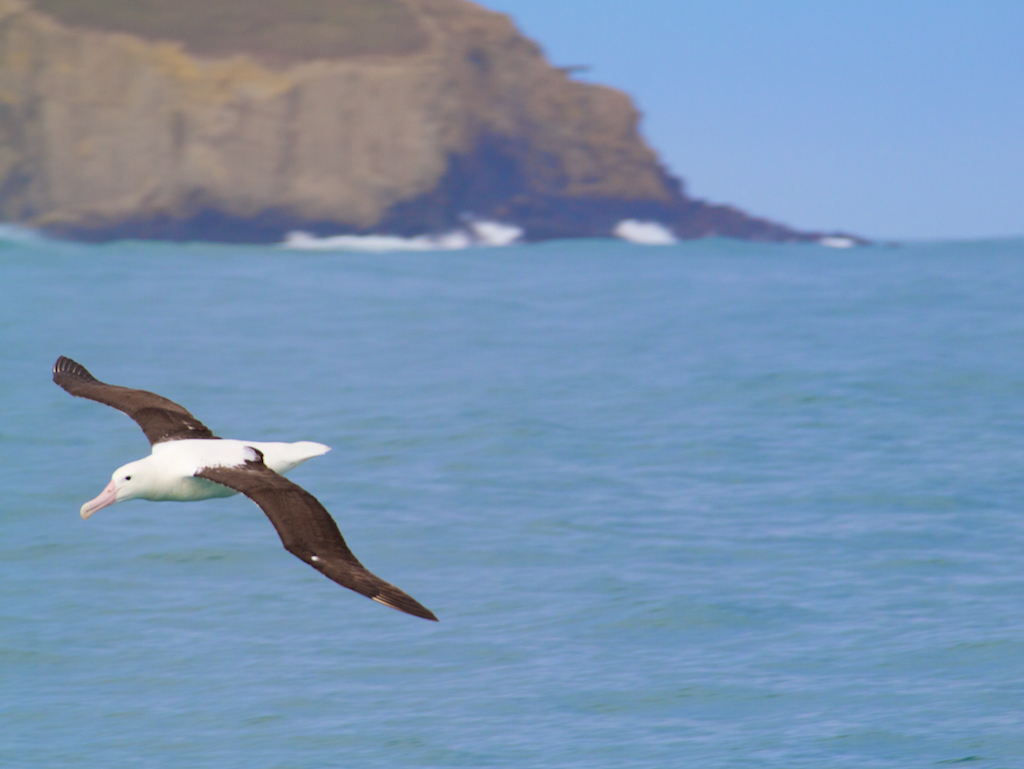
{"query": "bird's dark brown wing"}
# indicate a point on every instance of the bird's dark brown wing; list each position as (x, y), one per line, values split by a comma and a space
(309, 533)
(160, 419)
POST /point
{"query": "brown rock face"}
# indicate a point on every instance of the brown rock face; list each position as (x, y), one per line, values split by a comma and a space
(228, 121)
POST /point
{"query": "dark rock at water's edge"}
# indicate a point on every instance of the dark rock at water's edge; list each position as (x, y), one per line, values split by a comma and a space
(493, 182)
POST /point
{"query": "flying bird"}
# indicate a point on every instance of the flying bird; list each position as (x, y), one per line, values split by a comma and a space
(190, 463)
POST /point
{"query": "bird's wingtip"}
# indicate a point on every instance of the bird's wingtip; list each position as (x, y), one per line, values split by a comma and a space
(408, 605)
(70, 368)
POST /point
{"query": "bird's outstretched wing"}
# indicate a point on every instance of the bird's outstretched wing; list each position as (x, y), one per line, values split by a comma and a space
(309, 533)
(160, 419)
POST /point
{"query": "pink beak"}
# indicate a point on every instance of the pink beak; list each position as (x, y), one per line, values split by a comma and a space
(107, 497)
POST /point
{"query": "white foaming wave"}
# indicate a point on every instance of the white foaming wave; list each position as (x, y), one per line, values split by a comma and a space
(477, 234)
(837, 241)
(374, 243)
(496, 233)
(644, 233)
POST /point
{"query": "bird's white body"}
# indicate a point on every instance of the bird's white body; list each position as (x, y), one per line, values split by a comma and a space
(168, 474)
(176, 462)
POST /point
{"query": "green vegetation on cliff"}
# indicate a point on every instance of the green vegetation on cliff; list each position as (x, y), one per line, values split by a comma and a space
(273, 30)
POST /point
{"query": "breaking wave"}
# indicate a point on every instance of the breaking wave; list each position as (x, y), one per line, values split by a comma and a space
(837, 241)
(478, 234)
(644, 233)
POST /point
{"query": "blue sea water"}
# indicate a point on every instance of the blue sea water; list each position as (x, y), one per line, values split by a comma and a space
(709, 505)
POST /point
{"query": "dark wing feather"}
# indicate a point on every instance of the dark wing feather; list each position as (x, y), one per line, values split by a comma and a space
(309, 533)
(160, 419)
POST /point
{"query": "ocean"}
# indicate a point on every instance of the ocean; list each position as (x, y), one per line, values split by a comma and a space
(712, 504)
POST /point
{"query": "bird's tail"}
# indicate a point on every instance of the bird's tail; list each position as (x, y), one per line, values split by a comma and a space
(283, 457)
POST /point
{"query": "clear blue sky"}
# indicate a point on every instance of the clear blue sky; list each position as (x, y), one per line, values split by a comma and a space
(887, 118)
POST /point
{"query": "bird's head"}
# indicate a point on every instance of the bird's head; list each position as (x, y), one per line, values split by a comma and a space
(130, 481)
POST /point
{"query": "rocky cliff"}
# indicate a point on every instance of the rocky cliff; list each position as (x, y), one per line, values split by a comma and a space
(222, 120)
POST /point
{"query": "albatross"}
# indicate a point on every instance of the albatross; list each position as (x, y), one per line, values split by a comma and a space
(189, 463)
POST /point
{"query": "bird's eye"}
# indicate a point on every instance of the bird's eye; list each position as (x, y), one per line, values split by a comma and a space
(127, 477)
